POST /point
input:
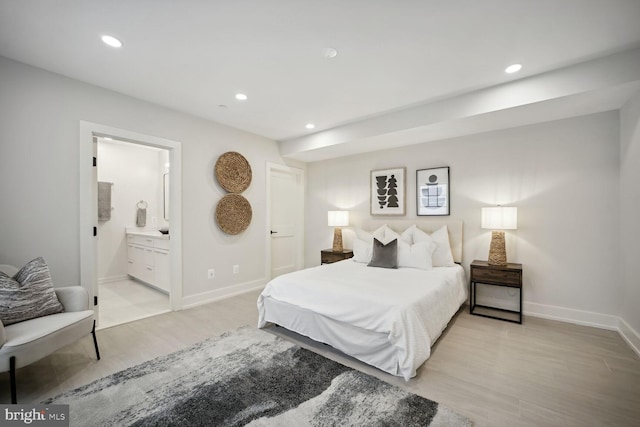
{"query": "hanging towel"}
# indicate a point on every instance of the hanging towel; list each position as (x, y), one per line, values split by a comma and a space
(104, 201)
(141, 217)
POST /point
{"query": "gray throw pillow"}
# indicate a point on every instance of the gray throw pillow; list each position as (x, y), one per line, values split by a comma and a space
(385, 256)
(28, 294)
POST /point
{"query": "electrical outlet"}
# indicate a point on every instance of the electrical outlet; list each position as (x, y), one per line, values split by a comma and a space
(211, 273)
(236, 269)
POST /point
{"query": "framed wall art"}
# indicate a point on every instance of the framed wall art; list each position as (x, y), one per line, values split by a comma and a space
(432, 188)
(387, 192)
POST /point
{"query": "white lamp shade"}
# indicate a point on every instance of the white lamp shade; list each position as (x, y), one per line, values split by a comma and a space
(500, 218)
(338, 218)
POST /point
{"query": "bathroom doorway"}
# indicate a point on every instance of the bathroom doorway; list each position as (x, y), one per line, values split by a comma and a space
(140, 288)
(133, 241)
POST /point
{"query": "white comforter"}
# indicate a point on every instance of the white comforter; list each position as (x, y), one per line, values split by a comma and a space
(411, 306)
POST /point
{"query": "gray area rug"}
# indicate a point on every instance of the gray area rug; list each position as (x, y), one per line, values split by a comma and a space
(248, 377)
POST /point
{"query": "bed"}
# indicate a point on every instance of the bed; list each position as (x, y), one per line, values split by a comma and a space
(387, 318)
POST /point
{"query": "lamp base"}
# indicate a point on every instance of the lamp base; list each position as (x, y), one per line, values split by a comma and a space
(497, 250)
(337, 240)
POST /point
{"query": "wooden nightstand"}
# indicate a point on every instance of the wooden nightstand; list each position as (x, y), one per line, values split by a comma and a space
(327, 256)
(509, 275)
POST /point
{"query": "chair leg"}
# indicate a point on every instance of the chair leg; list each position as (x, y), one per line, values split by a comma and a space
(95, 340)
(12, 374)
(12, 366)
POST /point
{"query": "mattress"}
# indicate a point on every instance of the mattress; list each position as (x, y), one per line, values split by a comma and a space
(388, 318)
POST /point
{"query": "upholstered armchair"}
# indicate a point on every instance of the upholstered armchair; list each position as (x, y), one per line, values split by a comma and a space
(28, 341)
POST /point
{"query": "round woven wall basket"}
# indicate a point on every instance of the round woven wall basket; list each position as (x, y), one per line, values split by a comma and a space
(233, 172)
(233, 214)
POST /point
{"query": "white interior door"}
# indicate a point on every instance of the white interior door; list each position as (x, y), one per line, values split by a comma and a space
(286, 213)
(89, 205)
(94, 184)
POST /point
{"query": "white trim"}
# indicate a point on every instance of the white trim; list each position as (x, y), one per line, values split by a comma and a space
(299, 173)
(112, 279)
(569, 315)
(146, 316)
(88, 209)
(222, 293)
(631, 336)
(586, 318)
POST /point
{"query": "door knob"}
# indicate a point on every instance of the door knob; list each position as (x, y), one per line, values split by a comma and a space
(274, 232)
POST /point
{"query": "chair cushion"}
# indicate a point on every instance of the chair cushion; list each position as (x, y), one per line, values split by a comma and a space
(34, 339)
(35, 329)
(29, 294)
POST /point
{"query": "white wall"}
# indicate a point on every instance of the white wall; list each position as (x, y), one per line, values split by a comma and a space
(39, 170)
(136, 172)
(562, 176)
(629, 213)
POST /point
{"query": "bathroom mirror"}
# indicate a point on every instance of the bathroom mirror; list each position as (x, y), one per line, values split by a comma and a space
(166, 196)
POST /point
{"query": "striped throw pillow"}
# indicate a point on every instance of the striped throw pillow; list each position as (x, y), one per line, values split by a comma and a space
(28, 294)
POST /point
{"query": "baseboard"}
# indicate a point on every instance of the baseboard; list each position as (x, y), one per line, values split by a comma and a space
(570, 315)
(222, 293)
(631, 336)
(112, 279)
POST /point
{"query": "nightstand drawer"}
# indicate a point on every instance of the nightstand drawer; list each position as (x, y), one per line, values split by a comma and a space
(499, 276)
(332, 257)
(327, 256)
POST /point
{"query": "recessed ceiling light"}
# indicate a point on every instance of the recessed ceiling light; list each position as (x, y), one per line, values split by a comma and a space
(111, 41)
(107, 138)
(329, 52)
(513, 68)
(310, 126)
(241, 96)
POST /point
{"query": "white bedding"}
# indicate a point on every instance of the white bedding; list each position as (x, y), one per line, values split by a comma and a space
(411, 307)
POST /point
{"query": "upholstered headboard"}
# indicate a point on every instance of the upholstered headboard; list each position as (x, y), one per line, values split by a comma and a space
(428, 225)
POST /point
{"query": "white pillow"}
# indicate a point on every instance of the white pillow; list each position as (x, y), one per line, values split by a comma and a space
(363, 243)
(407, 235)
(417, 255)
(362, 250)
(369, 235)
(389, 234)
(442, 256)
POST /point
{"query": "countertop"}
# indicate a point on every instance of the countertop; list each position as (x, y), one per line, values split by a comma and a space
(150, 233)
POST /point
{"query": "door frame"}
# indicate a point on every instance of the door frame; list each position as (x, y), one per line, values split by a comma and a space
(89, 207)
(299, 230)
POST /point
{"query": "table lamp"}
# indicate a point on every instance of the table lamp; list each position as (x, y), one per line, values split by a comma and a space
(499, 218)
(337, 219)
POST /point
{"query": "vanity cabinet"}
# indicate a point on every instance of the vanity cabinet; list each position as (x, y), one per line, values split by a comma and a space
(162, 274)
(148, 260)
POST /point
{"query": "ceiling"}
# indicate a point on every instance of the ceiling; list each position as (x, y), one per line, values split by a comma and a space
(392, 55)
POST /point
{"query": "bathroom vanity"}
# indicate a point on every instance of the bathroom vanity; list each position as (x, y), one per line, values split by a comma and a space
(148, 258)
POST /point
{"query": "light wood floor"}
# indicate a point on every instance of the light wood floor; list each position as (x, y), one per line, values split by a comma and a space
(541, 373)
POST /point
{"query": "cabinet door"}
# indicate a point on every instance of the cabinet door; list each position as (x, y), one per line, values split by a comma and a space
(161, 270)
(136, 267)
(131, 260)
(147, 265)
